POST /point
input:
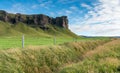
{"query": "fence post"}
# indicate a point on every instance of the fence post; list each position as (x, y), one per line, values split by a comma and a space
(23, 41)
(54, 40)
(74, 39)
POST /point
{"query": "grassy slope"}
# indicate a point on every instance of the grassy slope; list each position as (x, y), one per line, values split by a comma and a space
(7, 29)
(10, 35)
(58, 59)
(103, 59)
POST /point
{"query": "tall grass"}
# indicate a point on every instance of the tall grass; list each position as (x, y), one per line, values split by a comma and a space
(103, 59)
(45, 59)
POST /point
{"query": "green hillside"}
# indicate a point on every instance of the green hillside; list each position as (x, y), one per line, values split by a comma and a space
(7, 29)
(11, 34)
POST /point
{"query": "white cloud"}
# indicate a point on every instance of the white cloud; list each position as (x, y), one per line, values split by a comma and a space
(86, 6)
(18, 8)
(46, 4)
(68, 12)
(66, 1)
(52, 13)
(102, 20)
(75, 9)
(43, 4)
(35, 6)
(64, 12)
(97, 30)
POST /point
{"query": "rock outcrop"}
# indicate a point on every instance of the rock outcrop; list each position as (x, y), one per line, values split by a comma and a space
(38, 20)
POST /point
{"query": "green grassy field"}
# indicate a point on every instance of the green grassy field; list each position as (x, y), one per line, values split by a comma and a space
(11, 35)
(11, 42)
(16, 41)
(91, 56)
(70, 54)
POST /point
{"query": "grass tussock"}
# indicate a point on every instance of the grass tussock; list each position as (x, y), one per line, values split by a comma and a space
(46, 59)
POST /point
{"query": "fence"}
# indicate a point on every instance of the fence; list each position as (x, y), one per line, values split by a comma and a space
(23, 41)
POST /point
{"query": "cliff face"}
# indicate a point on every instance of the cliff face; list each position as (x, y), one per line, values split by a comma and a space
(38, 20)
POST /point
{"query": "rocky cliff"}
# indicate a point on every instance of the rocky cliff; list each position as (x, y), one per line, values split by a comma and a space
(34, 20)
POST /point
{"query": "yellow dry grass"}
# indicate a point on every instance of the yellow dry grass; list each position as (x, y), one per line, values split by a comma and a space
(103, 48)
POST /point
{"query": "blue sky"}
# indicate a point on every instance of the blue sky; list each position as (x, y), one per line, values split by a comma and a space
(86, 17)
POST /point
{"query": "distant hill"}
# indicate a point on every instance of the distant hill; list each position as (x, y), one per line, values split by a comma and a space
(36, 24)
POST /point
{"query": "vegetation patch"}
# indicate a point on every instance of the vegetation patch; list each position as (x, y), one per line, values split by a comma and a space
(103, 59)
(45, 59)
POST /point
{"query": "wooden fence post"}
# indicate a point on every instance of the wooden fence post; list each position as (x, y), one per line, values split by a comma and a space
(54, 40)
(23, 41)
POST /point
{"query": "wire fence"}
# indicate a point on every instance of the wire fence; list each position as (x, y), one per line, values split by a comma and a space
(21, 42)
